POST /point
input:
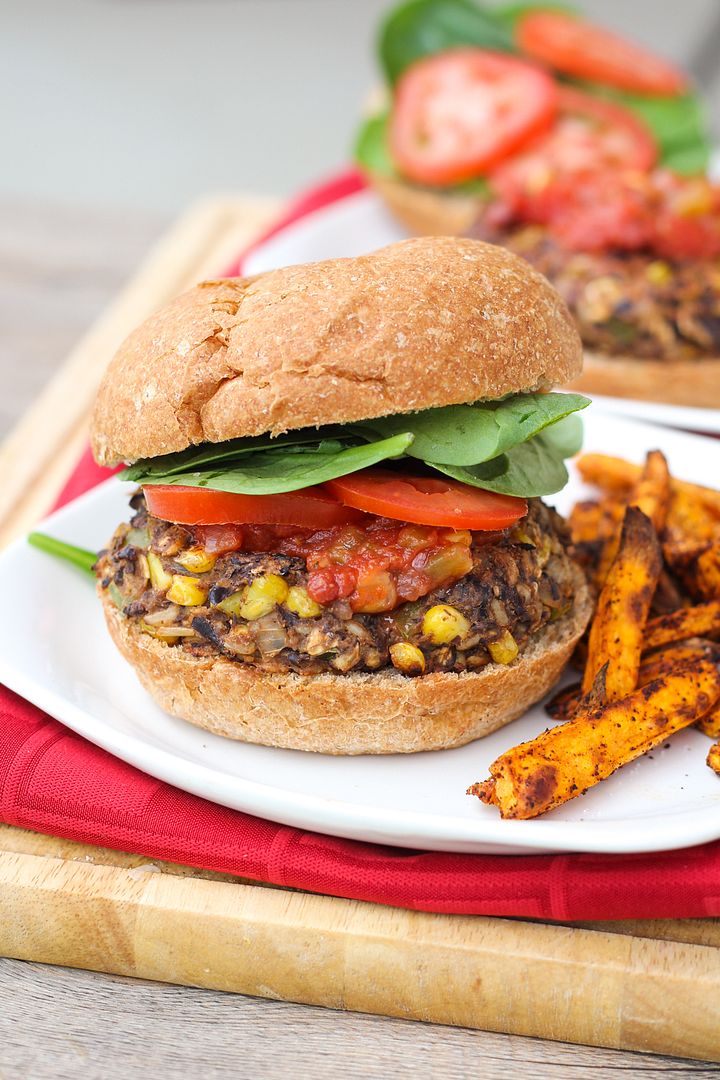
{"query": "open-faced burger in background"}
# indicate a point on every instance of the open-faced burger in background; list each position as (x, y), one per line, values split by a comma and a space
(340, 543)
(576, 149)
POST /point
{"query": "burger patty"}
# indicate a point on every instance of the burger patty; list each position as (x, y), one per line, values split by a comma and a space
(518, 584)
(623, 303)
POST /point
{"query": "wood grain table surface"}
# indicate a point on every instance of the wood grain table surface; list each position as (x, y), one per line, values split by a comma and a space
(58, 268)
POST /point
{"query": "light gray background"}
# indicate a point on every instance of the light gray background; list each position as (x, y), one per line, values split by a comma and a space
(146, 104)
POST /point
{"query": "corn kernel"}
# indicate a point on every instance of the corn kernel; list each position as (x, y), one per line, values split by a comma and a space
(159, 576)
(505, 650)
(521, 537)
(187, 591)
(407, 658)
(443, 624)
(232, 604)
(658, 273)
(301, 603)
(262, 596)
(197, 560)
(458, 536)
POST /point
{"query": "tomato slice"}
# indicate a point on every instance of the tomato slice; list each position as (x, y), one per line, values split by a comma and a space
(458, 113)
(427, 500)
(313, 507)
(575, 47)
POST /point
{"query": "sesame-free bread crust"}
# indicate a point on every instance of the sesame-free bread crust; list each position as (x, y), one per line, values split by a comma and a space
(427, 322)
(427, 211)
(377, 713)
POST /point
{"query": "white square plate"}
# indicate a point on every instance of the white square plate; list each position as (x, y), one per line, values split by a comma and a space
(55, 651)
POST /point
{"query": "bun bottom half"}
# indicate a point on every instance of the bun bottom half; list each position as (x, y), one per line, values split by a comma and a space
(669, 382)
(425, 212)
(676, 382)
(377, 713)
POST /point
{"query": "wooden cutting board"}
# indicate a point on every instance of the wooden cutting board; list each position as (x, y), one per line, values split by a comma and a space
(651, 985)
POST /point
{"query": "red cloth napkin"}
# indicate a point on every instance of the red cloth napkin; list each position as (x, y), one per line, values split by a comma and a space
(56, 782)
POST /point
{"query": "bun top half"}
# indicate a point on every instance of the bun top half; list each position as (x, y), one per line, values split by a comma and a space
(423, 323)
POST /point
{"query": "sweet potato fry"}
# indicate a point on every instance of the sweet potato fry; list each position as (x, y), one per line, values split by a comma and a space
(609, 473)
(713, 758)
(594, 520)
(668, 596)
(565, 761)
(697, 566)
(566, 703)
(651, 494)
(616, 632)
(709, 724)
(614, 475)
(689, 518)
(584, 521)
(689, 622)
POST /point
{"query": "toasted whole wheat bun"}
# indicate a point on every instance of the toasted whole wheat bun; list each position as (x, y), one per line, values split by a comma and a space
(425, 212)
(680, 382)
(377, 713)
(423, 323)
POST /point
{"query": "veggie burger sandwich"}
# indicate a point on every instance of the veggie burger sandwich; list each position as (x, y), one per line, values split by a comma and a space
(338, 543)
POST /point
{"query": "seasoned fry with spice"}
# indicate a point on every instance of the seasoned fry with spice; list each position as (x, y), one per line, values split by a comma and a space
(689, 519)
(616, 633)
(651, 543)
(594, 519)
(651, 494)
(688, 622)
(614, 475)
(565, 704)
(565, 761)
(698, 569)
(709, 724)
(713, 758)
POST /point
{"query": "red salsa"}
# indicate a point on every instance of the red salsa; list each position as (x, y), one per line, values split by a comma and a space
(374, 567)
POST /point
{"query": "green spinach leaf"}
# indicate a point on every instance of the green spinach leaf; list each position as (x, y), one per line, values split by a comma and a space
(371, 151)
(530, 470)
(282, 468)
(565, 436)
(470, 434)
(200, 458)
(512, 13)
(424, 27)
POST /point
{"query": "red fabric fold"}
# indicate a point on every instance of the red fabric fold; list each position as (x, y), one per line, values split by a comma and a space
(56, 782)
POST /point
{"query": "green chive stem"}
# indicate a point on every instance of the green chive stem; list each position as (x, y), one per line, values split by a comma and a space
(80, 557)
